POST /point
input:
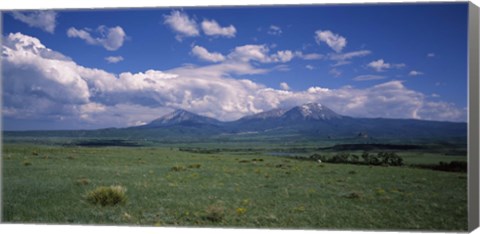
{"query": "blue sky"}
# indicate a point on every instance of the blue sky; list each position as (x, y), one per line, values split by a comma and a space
(87, 69)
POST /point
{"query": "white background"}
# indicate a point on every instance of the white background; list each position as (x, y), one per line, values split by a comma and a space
(87, 4)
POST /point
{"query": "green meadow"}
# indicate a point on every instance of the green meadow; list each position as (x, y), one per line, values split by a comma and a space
(167, 186)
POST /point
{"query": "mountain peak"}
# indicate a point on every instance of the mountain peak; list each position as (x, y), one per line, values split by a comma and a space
(181, 116)
(311, 111)
(274, 113)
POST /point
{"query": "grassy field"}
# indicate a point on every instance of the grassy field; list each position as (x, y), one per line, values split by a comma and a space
(168, 187)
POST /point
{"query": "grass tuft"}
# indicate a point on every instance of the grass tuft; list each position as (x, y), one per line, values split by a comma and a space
(354, 195)
(27, 163)
(83, 181)
(380, 191)
(107, 196)
(178, 168)
(241, 210)
(215, 213)
(194, 166)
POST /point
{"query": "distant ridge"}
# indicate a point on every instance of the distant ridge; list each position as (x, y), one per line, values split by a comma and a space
(306, 120)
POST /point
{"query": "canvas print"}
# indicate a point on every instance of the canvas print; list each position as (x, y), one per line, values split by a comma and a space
(305, 117)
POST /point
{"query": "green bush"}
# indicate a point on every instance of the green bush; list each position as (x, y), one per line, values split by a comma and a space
(194, 165)
(215, 213)
(455, 166)
(178, 168)
(381, 158)
(107, 196)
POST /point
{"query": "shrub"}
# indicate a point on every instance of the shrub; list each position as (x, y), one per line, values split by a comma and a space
(27, 163)
(107, 196)
(453, 166)
(390, 159)
(316, 157)
(83, 181)
(353, 195)
(241, 210)
(341, 158)
(382, 158)
(215, 213)
(178, 168)
(380, 191)
(194, 166)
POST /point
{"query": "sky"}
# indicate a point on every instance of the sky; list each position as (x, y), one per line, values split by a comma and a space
(88, 69)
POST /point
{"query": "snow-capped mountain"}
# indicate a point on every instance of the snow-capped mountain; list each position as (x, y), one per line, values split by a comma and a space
(311, 111)
(182, 117)
(311, 119)
(275, 113)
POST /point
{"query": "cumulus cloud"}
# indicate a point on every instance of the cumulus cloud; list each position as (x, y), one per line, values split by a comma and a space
(415, 73)
(282, 56)
(110, 38)
(260, 53)
(334, 41)
(284, 86)
(114, 59)
(204, 54)
(212, 28)
(41, 83)
(274, 30)
(380, 65)
(45, 20)
(182, 24)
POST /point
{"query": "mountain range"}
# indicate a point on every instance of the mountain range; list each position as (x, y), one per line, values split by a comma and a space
(310, 119)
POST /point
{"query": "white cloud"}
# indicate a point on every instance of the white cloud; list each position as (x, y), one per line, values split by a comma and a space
(45, 20)
(284, 86)
(212, 28)
(380, 65)
(260, 53)
(204, 54)
(368, 77)
(343, 58)
(250, 52)
(334, 41)
(282, 56)
(431, 55)
(182, 24)
(334, 72)
(110, 38)
(274, 30)
(349, 55)
(114, 59)
(415, 73)
(309, 67)
(311, 56)
(39, 83)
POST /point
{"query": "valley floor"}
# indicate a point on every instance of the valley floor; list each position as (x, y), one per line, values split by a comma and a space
(169, 187)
